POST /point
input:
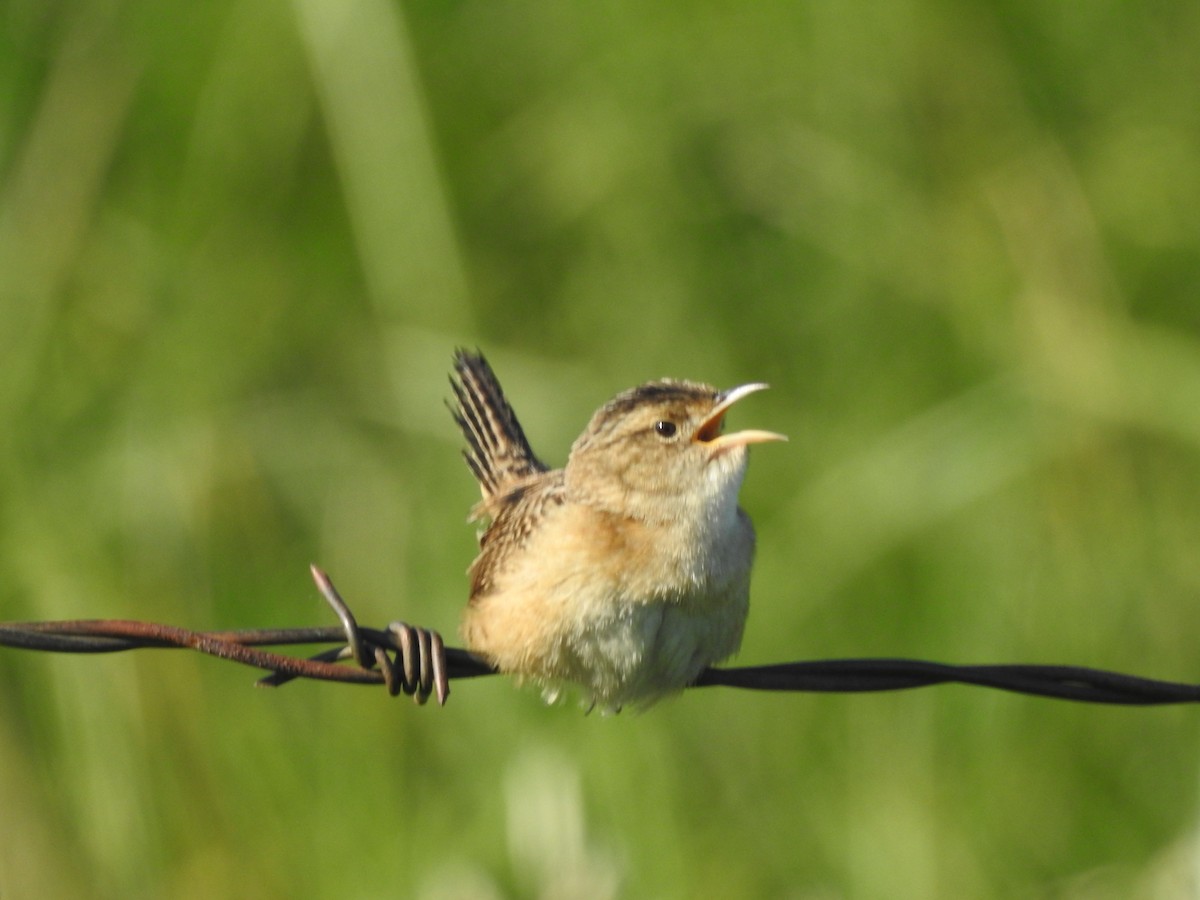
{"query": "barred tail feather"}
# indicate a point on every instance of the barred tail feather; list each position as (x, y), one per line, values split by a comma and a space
(497, 451)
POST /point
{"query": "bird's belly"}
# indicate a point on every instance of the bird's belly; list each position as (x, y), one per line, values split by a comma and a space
(620, 651)
(637, 652)
(627, 635)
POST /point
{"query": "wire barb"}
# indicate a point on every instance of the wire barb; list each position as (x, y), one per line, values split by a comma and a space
(419, 668)
(414, 661)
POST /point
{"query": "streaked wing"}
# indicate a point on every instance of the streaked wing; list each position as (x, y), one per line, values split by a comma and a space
(515, 516)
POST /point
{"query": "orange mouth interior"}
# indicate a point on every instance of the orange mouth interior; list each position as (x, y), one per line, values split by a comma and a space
(711, 429)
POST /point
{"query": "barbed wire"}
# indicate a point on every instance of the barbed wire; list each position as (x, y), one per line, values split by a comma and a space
(410, 660)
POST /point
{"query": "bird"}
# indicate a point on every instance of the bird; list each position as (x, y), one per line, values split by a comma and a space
(624, 574)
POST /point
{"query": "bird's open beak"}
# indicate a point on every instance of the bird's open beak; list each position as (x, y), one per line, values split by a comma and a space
(709, 431)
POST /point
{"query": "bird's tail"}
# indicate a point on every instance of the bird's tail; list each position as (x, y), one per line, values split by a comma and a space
(497, 451)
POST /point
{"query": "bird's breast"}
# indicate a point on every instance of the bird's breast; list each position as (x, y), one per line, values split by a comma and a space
(630, 610)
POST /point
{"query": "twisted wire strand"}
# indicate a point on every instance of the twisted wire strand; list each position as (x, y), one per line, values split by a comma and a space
(414, 661)
(1077, 683)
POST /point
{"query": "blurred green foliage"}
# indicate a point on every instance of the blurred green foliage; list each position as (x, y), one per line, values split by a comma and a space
(238, 243)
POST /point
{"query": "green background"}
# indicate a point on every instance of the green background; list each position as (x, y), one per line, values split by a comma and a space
(238, 244)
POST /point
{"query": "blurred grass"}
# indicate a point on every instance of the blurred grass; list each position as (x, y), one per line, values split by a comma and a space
(237, 245)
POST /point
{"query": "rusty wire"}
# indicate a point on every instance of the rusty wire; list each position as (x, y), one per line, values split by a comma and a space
(410, 660)
(404, 658)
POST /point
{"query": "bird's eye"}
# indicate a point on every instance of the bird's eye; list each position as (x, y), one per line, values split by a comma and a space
(665, 428)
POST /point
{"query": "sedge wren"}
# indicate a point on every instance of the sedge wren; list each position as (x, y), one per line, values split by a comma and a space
(625, 573)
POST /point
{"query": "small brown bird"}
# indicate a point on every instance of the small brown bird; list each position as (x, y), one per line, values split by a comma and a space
(625, 573)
